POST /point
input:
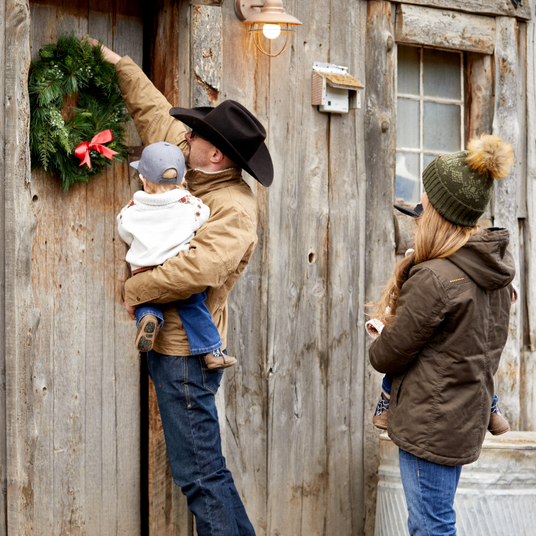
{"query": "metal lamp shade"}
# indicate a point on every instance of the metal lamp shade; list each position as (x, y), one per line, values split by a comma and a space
(273, 13)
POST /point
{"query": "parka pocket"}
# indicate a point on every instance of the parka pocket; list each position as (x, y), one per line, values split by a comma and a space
(399, 388)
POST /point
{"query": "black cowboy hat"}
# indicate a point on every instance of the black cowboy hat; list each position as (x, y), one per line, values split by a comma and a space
(236, 132)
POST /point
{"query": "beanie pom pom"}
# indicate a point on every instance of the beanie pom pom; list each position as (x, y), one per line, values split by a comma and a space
(489, 154)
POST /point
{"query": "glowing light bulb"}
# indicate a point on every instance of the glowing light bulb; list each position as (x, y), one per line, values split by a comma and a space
(271, 31)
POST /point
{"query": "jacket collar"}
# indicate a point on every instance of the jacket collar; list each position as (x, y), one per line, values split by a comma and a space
(200, 182)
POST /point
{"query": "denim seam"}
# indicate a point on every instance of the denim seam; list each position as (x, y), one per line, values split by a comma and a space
(185, 383)
(207, 507)
(420, 497)
(202, 362)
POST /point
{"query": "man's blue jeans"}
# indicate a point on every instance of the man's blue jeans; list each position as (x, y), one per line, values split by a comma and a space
(430, 489)
(186, 390)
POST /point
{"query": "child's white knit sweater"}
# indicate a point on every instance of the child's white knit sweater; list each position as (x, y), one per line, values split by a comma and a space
(158, 226)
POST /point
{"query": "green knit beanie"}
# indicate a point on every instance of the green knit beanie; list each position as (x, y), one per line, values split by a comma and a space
(460, 185)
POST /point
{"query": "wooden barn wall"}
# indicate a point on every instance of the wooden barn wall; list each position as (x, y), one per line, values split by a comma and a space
(75, 414)
(294, 403)
(296, 410)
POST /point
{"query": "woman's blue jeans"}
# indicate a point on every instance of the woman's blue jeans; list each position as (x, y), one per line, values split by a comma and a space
(186, 390)
(430, 489)
(203, 335)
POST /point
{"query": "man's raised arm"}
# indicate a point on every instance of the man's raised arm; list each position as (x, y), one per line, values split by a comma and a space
(147, 106)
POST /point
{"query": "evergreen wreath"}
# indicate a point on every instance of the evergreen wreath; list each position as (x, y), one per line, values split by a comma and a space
(74, 96)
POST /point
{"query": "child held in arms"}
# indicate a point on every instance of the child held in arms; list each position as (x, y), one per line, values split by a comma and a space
(157, 223)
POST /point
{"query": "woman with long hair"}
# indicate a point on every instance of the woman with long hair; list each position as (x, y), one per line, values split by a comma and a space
(446, 314)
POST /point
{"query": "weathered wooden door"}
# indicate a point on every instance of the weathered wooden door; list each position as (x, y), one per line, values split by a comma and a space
(85, 443)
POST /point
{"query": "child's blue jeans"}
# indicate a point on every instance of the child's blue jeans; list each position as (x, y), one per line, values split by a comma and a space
(387, 383)
(203, 335)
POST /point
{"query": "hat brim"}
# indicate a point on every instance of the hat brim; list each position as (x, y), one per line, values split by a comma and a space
(259, 165)
(413, 212)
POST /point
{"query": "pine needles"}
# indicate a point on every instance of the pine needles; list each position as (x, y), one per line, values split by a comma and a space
(72, 70)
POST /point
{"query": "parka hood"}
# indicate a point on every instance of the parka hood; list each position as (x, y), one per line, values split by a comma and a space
(486, 259)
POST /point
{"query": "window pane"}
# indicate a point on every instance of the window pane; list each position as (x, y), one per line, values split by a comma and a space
(441, 74)
(407, 124)
(427, 159)
(408, 177)
(408, 70)
(442, 127)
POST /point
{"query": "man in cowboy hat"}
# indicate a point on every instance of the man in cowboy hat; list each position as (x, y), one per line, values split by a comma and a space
(223, 141)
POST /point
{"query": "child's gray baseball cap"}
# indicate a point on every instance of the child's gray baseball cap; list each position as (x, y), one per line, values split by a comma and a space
(156, 159)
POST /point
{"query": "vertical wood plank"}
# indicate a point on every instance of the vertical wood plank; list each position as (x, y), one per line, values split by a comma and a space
(380, 161)
(165, 49)
(69, 361)
(506, 126)
(478, 95)
(3, 402)
(244, 78)
(184, 55)
(298, 357)
(45, 246)
(344, 415)
(206, 54)
(18, 226)
(529, 400)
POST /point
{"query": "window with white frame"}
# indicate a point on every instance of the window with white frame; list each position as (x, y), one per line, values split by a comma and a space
(430, 113)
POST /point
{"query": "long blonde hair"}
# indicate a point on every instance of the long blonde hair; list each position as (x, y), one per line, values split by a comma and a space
(436, 238)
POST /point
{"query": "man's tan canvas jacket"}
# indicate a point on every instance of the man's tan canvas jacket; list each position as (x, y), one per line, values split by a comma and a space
(222, 247)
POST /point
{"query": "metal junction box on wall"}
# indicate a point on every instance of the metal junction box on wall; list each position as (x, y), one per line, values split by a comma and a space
(333, 89)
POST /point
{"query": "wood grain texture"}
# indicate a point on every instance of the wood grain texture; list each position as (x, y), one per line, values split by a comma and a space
(298, 359)
(506, 126)
(345, 508)
(529, 242)
(484, 7)
(245, 77)
(18, 223)
(85, 369)
(380, 135)
(441, 28)
(3, 379)
(479, 106)
(206, 54)
(165, 49)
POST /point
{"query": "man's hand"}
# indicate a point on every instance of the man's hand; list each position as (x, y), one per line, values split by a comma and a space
(130, 309)
(107, 54)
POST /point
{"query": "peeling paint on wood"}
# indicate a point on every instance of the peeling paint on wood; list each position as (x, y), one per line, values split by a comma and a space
(206, 54)
(445, 29)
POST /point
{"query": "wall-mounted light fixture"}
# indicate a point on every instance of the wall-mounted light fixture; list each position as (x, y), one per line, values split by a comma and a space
(271, 22)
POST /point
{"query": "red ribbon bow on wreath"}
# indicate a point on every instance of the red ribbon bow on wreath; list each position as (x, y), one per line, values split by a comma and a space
(82, 151)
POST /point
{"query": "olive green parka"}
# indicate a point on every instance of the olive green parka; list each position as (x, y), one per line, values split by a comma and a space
(443, 348)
